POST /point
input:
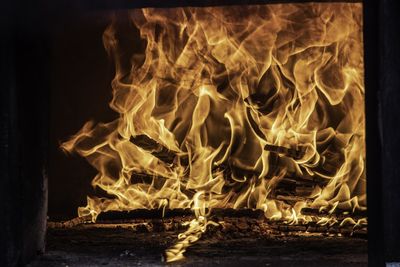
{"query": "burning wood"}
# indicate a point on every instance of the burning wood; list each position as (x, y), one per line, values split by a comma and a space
(231, 222)
(290, 182)
(337, 213)
(289, 152)
(184, 213)
(156, 149)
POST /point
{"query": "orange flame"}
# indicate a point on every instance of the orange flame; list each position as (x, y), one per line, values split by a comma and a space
(215, 86)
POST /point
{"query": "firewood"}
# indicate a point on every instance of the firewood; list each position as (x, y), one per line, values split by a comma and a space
(231, 222)
(156, 149)
(143, 214)
(173, 213)
(293, 184)
(291, 199)
(70, 223)
(229, 227)
(168, 156)
(340, 214)
(289, 152)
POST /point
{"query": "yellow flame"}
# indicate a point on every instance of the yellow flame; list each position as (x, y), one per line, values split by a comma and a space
(196, 227)
(214, 86)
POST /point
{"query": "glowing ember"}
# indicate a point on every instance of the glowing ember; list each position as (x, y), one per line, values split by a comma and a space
(245, 99)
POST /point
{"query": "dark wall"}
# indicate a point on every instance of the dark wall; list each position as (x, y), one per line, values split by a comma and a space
(55, 76)
(382, 78)
(24, 127)
(80, 79)
(390, 126)
(373, 135)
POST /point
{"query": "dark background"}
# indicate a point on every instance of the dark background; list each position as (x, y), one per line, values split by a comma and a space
(80, 81)
(389, 112)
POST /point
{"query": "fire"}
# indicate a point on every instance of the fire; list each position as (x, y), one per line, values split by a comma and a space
(241, 99)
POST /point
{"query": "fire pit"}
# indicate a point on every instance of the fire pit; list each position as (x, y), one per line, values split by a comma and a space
(231, 118)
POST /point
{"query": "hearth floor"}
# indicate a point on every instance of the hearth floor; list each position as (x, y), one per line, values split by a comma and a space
(122, 247)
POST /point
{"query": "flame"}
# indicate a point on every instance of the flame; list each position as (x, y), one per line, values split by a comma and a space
(215, 87)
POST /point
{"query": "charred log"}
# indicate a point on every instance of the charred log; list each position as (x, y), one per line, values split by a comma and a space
(289, 152)
(229, 226)
(112, 216)
(339, 213)
(156, 149)
(293, 184)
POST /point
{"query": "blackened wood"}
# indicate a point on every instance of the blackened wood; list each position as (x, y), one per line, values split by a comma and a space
(290, 182)
(289, 152)
(341, 214)
(290, 199)
(154, 148)
(228, 226)
(143, 214)
(70, 223)
(298, 186)
(237, 213)
(172, 213)
(288, 188)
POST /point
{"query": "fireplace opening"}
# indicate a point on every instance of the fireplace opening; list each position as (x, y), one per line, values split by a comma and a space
(181, 133)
